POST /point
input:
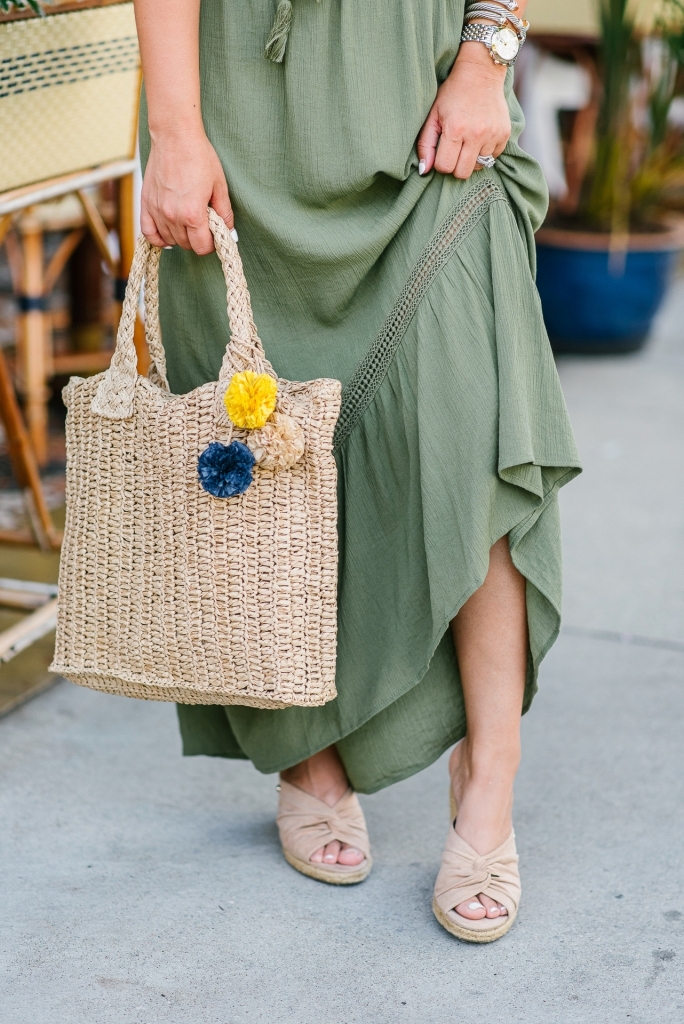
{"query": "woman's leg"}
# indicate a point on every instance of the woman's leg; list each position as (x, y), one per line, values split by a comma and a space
(490, 635)
(323, 776)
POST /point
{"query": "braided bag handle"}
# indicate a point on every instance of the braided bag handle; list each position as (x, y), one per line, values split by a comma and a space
(116, 391)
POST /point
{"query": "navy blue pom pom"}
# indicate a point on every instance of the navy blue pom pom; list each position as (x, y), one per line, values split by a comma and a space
(225, 470)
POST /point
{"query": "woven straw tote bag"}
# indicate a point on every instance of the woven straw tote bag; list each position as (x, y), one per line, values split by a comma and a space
(167, 591)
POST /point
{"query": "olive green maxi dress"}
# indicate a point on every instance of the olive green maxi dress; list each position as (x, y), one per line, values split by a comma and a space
(418, 294)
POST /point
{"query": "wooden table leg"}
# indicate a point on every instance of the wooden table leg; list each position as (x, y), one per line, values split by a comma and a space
(25, 469)
(33, 348)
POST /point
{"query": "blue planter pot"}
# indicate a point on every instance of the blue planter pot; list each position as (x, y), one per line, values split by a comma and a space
(591, 306)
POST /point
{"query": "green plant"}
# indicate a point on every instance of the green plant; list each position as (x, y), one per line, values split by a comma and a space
(608, 196)
(638, 167)
(8, 5)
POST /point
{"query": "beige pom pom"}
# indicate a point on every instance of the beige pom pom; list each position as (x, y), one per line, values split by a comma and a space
(278, 444)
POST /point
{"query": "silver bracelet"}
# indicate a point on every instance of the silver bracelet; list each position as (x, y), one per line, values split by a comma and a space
(508, 4)
(494, 13)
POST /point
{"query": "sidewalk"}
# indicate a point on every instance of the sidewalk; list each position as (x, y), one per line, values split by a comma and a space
(138, 887)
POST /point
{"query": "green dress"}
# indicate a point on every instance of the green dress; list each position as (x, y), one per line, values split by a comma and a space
(418, 294)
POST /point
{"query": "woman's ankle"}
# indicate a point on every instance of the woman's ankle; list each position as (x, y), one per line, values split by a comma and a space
(482, 778)
(485, 760)
(322, 775)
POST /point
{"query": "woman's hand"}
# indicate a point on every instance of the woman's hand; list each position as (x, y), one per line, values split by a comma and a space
(469, 117)
(183, 176)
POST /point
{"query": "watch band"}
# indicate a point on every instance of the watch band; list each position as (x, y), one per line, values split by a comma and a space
(479, 33)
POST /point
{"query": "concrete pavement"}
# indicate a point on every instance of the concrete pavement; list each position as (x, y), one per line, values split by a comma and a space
(140, 888)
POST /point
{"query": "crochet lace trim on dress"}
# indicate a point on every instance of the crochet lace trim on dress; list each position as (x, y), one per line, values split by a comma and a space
(371, 371)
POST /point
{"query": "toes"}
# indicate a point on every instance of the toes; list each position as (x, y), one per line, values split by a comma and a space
(481, 906)
(491, 906)
(337, 853)
(472, 909)
(332, 852)
(350, 856)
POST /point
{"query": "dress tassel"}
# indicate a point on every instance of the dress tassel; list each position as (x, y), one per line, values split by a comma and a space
(277, 40)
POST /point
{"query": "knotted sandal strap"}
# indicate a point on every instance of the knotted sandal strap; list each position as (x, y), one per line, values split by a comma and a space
(464, 874)
(306, 824)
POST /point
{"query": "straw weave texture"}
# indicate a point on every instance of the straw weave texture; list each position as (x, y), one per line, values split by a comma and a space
(167, 593)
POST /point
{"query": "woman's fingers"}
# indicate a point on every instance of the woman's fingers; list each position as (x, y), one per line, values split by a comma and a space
(149, 228)
(172, 226)
(455, 149)
(476, 145)
(458, 149)
(448, 150)
(427, 143)
(197, 232)
(498, 149)
(162, 219)
(179, 233)
(467, 158)
(220, 201)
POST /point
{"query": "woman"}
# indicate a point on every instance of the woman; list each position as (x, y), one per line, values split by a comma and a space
(380, 252)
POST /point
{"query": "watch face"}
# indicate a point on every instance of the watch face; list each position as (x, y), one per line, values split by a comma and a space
(505, 44)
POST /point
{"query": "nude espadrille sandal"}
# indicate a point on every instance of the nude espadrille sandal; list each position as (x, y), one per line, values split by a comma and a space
(306, 824)
(465, 873)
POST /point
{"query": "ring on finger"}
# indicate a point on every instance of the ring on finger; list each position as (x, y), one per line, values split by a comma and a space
(486, 161)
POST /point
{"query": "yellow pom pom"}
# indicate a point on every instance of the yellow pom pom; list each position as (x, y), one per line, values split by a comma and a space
(250, 399)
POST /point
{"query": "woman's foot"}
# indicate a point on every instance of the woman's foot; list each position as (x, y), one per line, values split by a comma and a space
(482, 784)
(323, 776)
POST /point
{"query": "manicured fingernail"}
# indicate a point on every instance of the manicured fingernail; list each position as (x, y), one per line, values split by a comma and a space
(421, 167)
(168, 247)
(234, 234)
(475, 906)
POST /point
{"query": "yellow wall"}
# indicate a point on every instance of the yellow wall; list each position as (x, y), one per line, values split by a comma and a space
(577, 17)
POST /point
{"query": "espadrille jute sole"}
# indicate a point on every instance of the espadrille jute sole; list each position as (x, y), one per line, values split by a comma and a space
(342, 876)
(469, 934)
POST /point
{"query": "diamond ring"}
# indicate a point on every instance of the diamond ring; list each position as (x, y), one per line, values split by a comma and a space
(486, 161)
